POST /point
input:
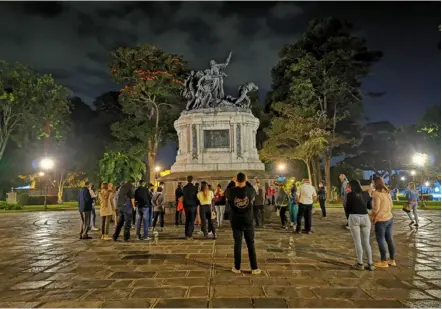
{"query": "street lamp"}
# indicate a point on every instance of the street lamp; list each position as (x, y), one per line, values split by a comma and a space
(46, 164)
(402, 178)
(281, 167)
(157, 170)
(41, 174)
(419, 159)
(427, 183)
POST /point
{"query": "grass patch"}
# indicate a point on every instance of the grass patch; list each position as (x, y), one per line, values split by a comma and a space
(395, 206)
(52, 207)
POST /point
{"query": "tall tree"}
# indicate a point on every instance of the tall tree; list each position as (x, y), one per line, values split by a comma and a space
(150, 99)
(294, 136)
(30, 103)
(116, 167)
(430, 126)
(324, 69)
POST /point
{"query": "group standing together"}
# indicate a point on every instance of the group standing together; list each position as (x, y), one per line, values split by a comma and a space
(244, 205)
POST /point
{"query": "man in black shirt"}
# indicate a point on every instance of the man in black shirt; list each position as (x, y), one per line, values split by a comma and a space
(190, 206)
(178, 213)
(241, 198)
(143, 203)
(125, 206)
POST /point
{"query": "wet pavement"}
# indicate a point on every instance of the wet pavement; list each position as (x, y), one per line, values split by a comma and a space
(44, 264)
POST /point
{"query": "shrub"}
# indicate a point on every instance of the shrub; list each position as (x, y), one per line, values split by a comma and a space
(26, 199)
(7, 206)
(426, 197)
(23, 199)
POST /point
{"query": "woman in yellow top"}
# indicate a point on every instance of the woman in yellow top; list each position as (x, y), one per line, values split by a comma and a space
(205, 197)
(382, 218)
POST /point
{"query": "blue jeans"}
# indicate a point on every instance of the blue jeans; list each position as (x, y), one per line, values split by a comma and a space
(360, 231)
(143, 215)
(384, 233)
(293, 210)
(414, 210)
(93, 215)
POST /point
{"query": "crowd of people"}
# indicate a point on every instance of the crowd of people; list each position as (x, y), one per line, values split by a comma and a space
(244, 206)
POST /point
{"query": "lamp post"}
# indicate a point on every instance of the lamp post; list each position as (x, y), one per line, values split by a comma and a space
(413, 173)
(46, 164)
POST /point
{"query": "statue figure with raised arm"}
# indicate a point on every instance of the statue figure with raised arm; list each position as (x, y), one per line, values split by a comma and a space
(204, 93)
(217, 72)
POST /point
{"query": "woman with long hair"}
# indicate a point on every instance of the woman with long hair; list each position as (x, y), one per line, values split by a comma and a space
(357, 205)
(205, 197)
(382, 218)
(106, 210)
(220, 205)
(412, 197)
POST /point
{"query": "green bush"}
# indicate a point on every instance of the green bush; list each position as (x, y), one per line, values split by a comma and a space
(7, 206)
(428, 203)
(26, 199)
(23, 199)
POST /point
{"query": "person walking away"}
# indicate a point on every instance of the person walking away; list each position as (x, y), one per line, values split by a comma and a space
(412, 197)
(125, 205)
(143, 203)
(241, 198)
(220, 205)
(106, 211)
(158, 210)
(190, 202)
(382, 218)
(306, 195)
(112, 201)
(344, 183)
(85, 208)
(178, 212)
(271, 192)
(93, 212)
(258, 205)
(231, 184)
(205, 196)
(293, 207)
(357, 205)
(322, 197)
(282, 201)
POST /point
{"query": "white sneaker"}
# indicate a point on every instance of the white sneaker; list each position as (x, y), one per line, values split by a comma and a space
(236, 271)
(256, 271)
(94, 229)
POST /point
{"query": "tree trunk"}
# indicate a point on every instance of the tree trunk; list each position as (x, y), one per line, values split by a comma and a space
(309, 172)
(3, 147)
(150, 167)
(314, 178)
(327, 167)
(60, 189)
(318, 169)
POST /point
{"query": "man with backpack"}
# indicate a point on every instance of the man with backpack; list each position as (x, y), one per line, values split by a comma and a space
(125, 206)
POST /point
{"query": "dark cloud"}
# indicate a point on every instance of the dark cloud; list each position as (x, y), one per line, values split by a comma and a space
(73, 40)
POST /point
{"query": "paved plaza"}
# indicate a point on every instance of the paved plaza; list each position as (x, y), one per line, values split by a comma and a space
(44, 264)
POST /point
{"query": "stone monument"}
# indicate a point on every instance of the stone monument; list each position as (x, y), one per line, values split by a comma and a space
(216, 132)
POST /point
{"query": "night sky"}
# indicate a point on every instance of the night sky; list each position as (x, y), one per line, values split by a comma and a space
(73, 42)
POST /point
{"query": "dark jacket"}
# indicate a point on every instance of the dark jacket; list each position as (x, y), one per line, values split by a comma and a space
(358, 204)
(84, 200)
(178, 193)
(322, 195)
(189, 196)
(260, 196)
(142, 197)
(125, 194)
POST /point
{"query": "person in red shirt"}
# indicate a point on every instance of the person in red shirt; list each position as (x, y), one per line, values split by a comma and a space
(271, 192)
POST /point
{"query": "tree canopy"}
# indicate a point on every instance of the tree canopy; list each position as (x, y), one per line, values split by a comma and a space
(150, 99)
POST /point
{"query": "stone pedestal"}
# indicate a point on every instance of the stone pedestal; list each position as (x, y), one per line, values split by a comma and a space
(11, 198)
(217, 140)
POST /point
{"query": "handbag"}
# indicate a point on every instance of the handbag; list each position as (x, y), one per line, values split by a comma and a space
(213, 215)
(406, 207)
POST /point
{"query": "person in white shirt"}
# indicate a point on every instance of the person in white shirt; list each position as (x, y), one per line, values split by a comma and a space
(305, 196)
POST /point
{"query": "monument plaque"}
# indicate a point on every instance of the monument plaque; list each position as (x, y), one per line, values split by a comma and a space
(216, 139)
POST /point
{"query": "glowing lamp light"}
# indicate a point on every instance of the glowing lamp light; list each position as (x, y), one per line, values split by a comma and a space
(41, 174)
(413, 173)
(402, 178)
(427, 183)
(157, 168)
(47, 163)
(281, 167)
(419, 159)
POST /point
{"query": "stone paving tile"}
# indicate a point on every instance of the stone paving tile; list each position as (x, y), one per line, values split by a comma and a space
(49, 267)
